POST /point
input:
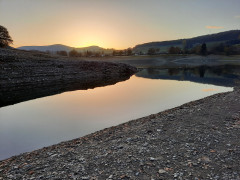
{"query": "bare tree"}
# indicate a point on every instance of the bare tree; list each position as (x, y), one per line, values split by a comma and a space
(5, 38)
(151, 51)
(204, 49)
(129, 51)
(62, 53)
(184, 46)
(174, 50)
(73, 53)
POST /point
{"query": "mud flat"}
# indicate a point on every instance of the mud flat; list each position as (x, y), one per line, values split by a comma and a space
(198, 140)
(29, 75)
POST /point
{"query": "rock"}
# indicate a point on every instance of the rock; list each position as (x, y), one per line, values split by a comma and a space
(152, 159)
(170, 115)
(85, 177)
(161, 171)
(110, 177)
(175, 175)
(145, 144)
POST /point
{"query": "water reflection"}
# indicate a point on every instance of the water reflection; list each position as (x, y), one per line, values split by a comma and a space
(225, 75)
(16, 94)
(41, 122)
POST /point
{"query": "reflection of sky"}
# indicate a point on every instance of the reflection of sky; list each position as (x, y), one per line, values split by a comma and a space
(45, 121)
(208, 90)
(117, 24)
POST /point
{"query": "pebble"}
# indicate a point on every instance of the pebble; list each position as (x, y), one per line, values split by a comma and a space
(161, 171)
(152, 159)
(110, 177)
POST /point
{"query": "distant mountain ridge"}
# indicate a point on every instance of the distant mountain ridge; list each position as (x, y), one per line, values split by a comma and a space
(211, 39)
(60, 47)
(55, 47)
(229, 37)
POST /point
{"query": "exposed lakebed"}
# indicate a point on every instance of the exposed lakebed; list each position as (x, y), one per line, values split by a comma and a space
(41, 122)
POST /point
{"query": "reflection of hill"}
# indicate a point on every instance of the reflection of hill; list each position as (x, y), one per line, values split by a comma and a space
(218, 75)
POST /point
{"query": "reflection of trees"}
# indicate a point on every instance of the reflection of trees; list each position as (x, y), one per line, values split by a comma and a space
(202, 71)
(226, 69)
(199, 71)
(218, 71)
(217, 75)
(173, 71)
(186, 72)
(152, 71)
(196, 71)
(229, 71)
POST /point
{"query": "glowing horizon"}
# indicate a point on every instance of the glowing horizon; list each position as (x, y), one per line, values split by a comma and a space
(114, 24)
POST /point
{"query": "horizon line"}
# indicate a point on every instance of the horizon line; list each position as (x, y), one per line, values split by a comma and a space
(127, 47)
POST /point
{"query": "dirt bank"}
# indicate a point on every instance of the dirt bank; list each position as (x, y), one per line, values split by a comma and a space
(198, 140)
(29, 75)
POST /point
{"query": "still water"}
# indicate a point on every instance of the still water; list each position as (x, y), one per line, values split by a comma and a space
(49, 120)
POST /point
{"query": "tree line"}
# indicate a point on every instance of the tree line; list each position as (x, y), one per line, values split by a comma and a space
(125, 52)
(75, 53)
(202, 49)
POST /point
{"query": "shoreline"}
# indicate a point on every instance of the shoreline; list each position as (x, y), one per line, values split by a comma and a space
(199, 139)
(171, 61)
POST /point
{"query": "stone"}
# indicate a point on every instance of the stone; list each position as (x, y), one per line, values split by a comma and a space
(161, 171)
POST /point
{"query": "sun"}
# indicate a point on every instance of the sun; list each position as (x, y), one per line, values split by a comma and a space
(90, 41)
(87, 44)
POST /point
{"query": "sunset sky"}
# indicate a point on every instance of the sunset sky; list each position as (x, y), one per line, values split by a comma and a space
(114, 23)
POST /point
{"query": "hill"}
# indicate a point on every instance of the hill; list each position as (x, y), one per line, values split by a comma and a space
(229, 37)
(53, 48)
(60, 47)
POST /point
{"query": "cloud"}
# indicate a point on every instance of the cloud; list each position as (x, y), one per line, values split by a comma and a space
(237, 17)
(214, 27)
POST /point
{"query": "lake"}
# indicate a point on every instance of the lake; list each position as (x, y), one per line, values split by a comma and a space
(49, 120)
